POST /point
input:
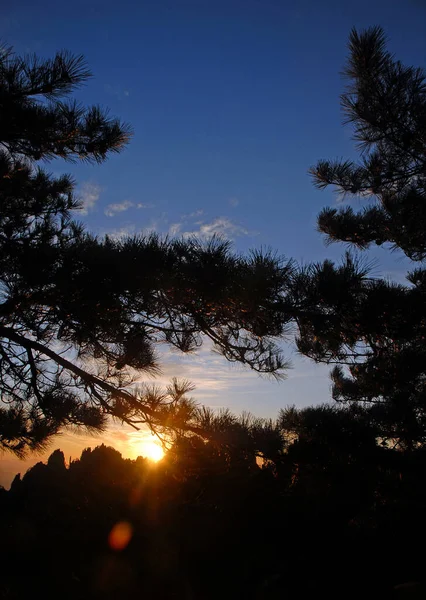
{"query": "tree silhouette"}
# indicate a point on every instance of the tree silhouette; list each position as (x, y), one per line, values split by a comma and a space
(38, 124)
(375, 329)
(204, 521)
(385, 102)
(80, 315)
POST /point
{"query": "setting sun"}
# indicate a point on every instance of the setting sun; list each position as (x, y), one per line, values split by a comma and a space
(152, 450)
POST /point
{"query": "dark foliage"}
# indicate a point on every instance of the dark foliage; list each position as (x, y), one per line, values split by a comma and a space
(385, 102)
(81, 316)
(327, 513)
(374, 330)
(37, 119)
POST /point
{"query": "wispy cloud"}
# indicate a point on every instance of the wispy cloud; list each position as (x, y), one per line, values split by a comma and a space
(131, 229)
(191, 225)
(89, 195)
(175, 229)
(121, 232)
(120, 207)
(221, 226)
(187, 226)
(210, 373)
(195, 214)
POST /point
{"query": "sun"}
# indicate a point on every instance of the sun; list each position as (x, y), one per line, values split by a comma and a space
(152, 450)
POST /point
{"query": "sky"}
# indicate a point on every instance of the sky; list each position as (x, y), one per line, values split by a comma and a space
(231, 101)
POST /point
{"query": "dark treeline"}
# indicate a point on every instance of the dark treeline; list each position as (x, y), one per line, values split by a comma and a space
(325, 501)
(333, 514)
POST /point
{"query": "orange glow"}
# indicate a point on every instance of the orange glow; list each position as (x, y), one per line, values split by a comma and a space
(120, 535)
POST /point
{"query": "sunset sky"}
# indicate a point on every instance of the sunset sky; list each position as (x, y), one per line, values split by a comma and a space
(231, 101)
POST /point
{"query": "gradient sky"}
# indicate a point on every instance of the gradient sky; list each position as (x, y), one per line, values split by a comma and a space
(231, 101)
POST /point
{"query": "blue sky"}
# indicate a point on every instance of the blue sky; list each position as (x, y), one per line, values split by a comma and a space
(231, 101)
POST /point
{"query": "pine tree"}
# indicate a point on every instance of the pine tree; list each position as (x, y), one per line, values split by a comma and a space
(375, 330)
(385, 102)
(81, 316)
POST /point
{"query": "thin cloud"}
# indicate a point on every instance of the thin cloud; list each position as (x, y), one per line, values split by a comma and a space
(175, 228)
(221, 226)
(218, 383)
(121, 232)
(195, 214)
(89, 195)
(131, 230)
(118, 207)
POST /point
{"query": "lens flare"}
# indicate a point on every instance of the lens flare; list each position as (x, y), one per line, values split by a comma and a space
(120, 535)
